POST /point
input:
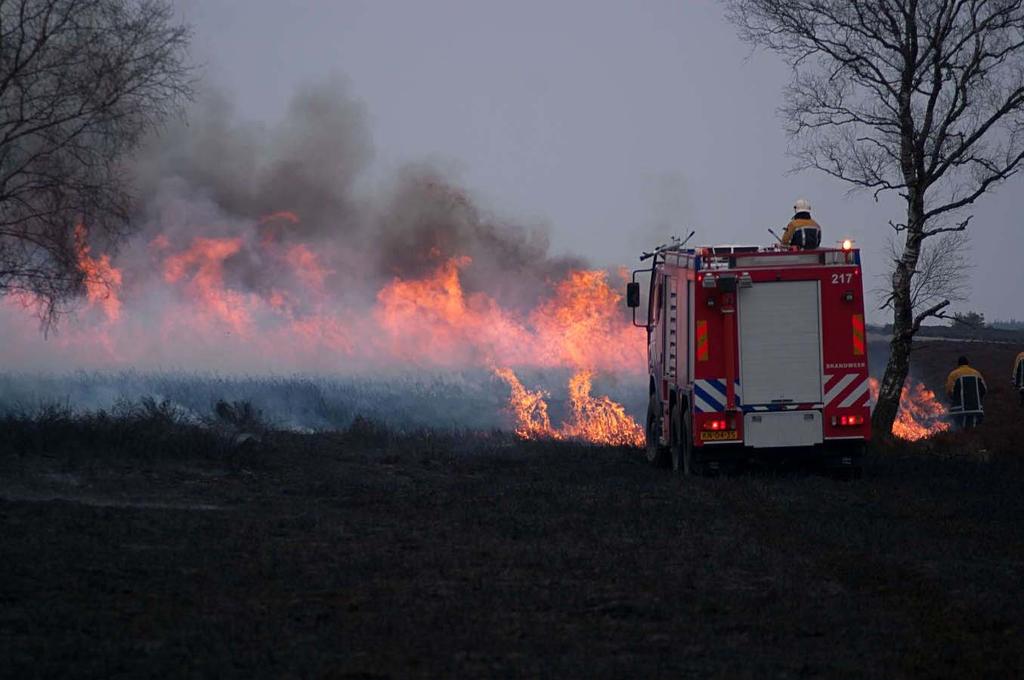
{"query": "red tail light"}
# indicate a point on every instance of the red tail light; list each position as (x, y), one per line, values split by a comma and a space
(715, 425)
(851, 421)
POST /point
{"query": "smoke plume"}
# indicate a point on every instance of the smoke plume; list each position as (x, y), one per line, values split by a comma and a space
(267, 248)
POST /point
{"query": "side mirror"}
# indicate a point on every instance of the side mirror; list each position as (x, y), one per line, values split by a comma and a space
(633, 294)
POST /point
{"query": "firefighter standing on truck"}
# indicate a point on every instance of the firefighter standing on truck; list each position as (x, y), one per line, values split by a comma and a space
(802, 231)
(1018, 376)
(966, 391)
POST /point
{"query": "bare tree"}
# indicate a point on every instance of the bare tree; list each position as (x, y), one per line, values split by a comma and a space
(81, 81)
(919, 97)
(941, 275)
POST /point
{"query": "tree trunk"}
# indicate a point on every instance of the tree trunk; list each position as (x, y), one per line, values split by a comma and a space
(903, 322)
(889, 391)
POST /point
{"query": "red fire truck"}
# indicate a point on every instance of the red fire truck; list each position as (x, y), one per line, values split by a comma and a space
(754, 352)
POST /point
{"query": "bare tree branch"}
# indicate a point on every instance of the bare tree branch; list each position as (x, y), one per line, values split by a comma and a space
(932, 311)
(81, 82)
(941, 230)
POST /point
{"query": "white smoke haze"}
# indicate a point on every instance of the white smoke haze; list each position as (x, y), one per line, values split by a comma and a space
(470, 399)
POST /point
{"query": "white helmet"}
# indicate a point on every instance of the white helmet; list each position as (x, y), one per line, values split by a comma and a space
(801, 205)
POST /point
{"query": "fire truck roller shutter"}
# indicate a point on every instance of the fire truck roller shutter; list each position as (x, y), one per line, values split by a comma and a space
(780, 343)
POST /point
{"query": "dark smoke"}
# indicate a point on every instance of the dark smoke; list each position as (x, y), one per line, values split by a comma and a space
(218, 175)
(306, 163)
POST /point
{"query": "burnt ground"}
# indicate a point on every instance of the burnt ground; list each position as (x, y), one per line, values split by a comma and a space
(364, 554)
(142, 545)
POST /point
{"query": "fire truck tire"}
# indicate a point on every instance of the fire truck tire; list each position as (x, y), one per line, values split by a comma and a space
(682, 445)
(692, 464)
(657, 455)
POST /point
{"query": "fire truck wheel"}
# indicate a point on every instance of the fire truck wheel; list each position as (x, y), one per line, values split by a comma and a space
(657, 455)
(681, 444)
(692, 465)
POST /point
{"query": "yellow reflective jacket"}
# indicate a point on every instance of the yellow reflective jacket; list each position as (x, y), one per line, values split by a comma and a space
(798, 223)
(966, 389)
(959, 372)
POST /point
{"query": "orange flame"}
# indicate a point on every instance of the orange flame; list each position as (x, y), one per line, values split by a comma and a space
(920, 414)
(294, 318)
(599, 420)
(529, 408)
(433, 320)
(307, 267)
(595, 420)
(259, 294)
(102, 279)
(582, 325)
(203, 265)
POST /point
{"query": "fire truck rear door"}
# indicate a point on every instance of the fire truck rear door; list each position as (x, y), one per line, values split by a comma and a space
(780, 343)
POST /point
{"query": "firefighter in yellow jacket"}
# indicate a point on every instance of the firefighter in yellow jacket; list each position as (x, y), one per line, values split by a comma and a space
(966, 390)
(802, 231)
(1018, 376)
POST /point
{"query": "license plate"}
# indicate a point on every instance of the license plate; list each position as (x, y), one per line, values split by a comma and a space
(723, 436)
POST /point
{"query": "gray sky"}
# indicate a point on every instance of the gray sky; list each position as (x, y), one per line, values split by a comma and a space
(613, 123)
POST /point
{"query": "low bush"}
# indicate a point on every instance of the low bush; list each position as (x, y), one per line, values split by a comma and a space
(140, 429)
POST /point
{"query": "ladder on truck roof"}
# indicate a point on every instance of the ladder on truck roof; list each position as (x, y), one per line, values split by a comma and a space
(674, 245)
